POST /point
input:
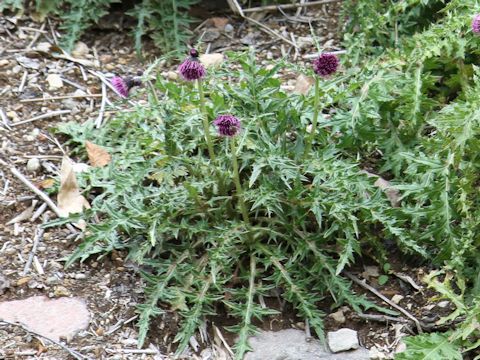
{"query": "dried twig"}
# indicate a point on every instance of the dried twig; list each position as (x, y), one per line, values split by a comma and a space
(37, 191)
(36, 36)
(98, 121)
(313, 56)
(43, 116)
(38, 236)
(384, 298)
(382, 318)
(23, 81)
(289, 6)
(72, 352)
(4, 119)
(238, 9)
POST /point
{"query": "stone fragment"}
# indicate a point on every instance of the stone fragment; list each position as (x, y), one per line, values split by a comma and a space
(397, 298)
(338, 316)
(291, 344)
(81, 49)
(342, 340)
(55, 81)
(33, 165)
(61, 291)
(4, 62)
(51, 318)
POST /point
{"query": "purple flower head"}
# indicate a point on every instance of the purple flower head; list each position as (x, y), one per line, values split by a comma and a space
(191, 69)
(326, 64)
(123, 86)
(227, 125)
(476, 24)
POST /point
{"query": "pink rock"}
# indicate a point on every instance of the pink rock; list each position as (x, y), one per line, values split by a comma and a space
(55, 318)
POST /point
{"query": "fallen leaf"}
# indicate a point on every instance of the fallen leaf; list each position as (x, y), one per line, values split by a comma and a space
(218, 22)
(214, 59)
(98, 156)
(24, 215)
(392, 194)
(69, 198)
(45, 184)
(303, 84)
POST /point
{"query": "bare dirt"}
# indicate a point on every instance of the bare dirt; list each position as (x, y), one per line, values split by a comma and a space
(110, 285)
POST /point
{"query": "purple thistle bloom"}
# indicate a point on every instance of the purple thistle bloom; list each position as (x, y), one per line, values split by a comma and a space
(191, 69)
(326, 64)
(476, 24)
(123, 86)
(227, 125)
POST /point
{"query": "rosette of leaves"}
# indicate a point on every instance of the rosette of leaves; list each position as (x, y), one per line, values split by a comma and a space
(171, 208)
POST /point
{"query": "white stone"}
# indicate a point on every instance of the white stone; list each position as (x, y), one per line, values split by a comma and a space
(397, 298)
(33, 165)
(342, 340)
(55, 82)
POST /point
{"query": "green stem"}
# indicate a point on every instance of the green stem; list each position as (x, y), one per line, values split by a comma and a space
(206, 128)
(238, 185)
(310, 137)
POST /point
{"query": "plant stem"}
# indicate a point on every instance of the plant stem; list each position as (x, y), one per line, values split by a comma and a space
(205, 120)
(238, 185)
(308, 145)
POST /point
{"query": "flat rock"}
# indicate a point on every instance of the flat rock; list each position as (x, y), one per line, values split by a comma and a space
(291, 344)
(342, 340)
(51, 318)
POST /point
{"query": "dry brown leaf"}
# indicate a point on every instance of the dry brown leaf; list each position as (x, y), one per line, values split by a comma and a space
(218, 22)
(45, 184)
(303, 84)
(69, 198)
(24, 215)
(98, 156)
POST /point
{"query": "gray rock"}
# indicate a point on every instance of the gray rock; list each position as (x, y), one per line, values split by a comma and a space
(342, 340)
(291, 344)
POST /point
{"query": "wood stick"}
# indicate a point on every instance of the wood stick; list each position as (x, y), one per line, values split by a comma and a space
(38, 236)
(98, 121)
(37, 191)
(238, 9)
(43, 116)
(385, 299)
(289, 6)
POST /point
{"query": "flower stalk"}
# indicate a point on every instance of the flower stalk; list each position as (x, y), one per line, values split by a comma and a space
(313, 130)
(206, 128)
(238, 184)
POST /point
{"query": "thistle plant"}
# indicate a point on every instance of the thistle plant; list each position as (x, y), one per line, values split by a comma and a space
(324, 66)
(410, 112)
(229, 126)
(192, 70)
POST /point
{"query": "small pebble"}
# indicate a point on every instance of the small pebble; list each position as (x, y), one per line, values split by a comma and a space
(33, 165)
(80, 276)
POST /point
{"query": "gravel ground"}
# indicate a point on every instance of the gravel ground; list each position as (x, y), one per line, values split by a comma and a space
(32, 67)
